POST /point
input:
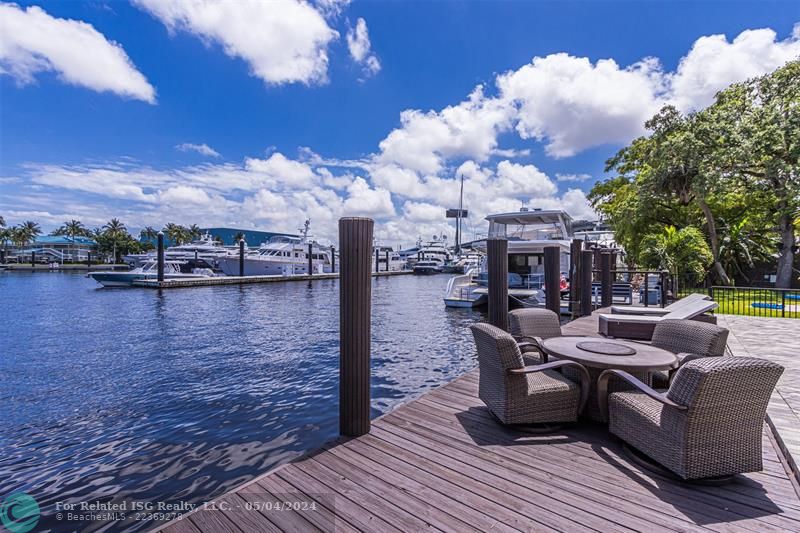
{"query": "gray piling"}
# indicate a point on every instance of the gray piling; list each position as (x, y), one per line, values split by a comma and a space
(355, 294)
(552, 278)
(160, 256)
(497, 251)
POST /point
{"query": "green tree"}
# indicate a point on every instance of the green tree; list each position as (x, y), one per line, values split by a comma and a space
(684, 253)
(115, 239)
(758, 142)
(176, 233)
(148, 233)
(194, 232)
(238, 237)
(27, 232)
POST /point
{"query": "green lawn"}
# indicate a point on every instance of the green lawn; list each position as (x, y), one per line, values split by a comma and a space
(735, 301)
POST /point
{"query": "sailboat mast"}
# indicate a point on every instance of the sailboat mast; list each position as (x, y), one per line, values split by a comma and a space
(458, 218)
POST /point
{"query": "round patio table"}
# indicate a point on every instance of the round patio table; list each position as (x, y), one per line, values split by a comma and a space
(598, 354)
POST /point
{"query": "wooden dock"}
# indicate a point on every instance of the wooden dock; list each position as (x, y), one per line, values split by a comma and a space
(441, 462)
(246, 280)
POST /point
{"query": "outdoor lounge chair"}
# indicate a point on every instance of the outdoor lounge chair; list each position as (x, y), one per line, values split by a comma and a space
(658, 311)
(641, 327)
(708, 424)
(530, 327)
(689, 340)
(519, 394)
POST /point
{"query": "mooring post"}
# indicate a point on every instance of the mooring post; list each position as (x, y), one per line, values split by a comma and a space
(89, 260)
(552, 278)
(606, 282)
(241, 258)
(575, 250)
(377, 260)
(586, 282)
(160, 256)
(33, 259)
(646, 289)
(663, 281)
(195, 255)
(497, 251)
(333, 260)
(310, 259)
(387, 260)
(355, 294)
(2, 257)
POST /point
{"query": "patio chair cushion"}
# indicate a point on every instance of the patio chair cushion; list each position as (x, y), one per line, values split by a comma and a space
(541, 397)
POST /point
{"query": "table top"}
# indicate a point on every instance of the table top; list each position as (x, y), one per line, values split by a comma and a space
(645, 357)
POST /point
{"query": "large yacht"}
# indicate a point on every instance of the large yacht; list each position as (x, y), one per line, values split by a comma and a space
(434, 254)
(205, 248)
(385, 259)
(528, 232)
(281, 256)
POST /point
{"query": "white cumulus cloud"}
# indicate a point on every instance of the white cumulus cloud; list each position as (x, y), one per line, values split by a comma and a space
(32, 41)
(360, 48)
(282, 41)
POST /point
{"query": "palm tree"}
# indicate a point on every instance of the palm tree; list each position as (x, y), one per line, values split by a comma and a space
(195, 232)
(148, 233)
(116, 231)
(2, 222)
(238, 237)
(176, 233)
(28, 231)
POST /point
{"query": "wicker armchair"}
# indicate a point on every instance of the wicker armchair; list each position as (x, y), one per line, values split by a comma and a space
(708, 423)
(689, 340)
(519, 394)
(530, 327)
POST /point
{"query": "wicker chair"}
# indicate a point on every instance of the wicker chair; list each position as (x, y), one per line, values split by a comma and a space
(689, 340)
(530, 327)
(519, 394)
(708, 424)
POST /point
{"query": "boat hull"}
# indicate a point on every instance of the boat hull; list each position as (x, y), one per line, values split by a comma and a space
(425, 271)
(126, 279)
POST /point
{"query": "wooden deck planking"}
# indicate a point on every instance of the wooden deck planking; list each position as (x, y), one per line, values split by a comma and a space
(442, 463)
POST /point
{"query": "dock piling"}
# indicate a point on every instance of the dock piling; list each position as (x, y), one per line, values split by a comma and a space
(333, 260)
(606, 284)
(160, 256)
(310, 259)
(586, 282)
(574, 277)
(241, 258)
(387, 261)
(552, 278)
(355, 295)
(497, 251)
(377, 260)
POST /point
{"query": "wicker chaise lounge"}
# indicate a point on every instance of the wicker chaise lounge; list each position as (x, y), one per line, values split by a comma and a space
(641, 327)
(708, 424)
(519, 394)
(530, 327)
(689, 340)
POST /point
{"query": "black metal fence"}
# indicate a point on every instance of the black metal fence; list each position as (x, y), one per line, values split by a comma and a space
(755, 301)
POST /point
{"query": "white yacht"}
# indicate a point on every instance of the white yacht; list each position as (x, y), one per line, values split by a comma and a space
(528, 232)
(149, 270)
(379, 259)
(205, 248)
(434, 254)
(281, 256)
(464, 262)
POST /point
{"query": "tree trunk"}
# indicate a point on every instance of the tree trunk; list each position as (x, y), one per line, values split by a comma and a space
(783, 280)
(713, 238)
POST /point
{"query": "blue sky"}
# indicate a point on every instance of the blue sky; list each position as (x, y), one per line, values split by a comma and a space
(86, 133)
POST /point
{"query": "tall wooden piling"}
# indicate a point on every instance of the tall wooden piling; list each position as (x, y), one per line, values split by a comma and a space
(88, 259)
(310, 259)
(241, 257)
(552, 278)
(333, 259)
(387, 261)
(33, 259)
(497, 252)
(575, 250)
(377, 260)
(586, 282)
(606, 281)
(160, 256)
(355, 294)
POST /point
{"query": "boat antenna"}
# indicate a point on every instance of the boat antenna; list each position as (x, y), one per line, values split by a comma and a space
(305, 229)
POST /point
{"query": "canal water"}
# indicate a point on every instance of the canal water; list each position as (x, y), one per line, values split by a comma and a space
(185, 394)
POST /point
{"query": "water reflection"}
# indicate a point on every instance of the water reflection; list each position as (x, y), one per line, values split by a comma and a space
(184, 394)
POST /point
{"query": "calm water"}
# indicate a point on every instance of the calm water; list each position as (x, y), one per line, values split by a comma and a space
(183, 395)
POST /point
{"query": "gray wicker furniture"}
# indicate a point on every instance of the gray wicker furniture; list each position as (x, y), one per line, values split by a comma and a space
(689, 340)
(519, 394)
(530, 327)
(589, 352)
(708, 424)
